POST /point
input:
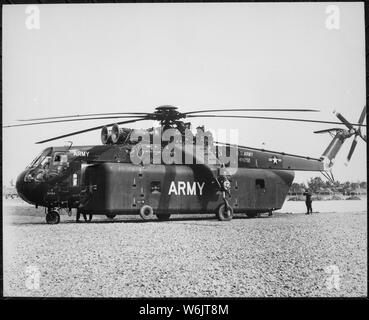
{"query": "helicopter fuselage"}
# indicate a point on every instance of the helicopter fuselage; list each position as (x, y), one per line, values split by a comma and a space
(102, 180)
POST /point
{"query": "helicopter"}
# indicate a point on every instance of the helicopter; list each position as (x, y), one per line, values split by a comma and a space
(139, 172)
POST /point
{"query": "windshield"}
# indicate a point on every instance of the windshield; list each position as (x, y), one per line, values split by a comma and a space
(40, 158)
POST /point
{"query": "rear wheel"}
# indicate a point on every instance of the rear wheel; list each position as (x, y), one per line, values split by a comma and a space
(163, 216)
(146, 212)
(52, 217)
(224, 214)
(111, 216)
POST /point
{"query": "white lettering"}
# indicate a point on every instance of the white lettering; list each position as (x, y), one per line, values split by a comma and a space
(191, 190)
(186, 188)
(172, 188)
(156, 310)
(181, 187)
(78, 153)
(200, 187)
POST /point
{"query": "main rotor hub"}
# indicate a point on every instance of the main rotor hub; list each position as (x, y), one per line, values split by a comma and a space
(166, 107)
(167, 114)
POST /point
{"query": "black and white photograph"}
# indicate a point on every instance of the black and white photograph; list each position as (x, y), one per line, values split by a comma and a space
(184, 150)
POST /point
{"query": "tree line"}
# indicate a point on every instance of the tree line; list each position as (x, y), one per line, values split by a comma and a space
(317, 185)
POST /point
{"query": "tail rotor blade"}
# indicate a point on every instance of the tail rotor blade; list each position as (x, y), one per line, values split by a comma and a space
(361, 120)
(362, 116)
(353, 146)
(344, 121)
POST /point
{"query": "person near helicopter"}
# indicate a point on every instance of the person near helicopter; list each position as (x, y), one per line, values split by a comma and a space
(308, 201)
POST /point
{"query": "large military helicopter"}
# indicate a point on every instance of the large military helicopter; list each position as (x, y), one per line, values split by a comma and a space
(106, 179)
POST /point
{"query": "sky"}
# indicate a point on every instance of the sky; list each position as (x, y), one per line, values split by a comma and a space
(98, 58)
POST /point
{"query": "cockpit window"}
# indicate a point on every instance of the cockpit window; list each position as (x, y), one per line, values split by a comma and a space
(60, 158)
(45, 163)
(40, 158)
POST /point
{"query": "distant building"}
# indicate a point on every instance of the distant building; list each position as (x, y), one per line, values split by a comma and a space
(357, 191)
(325, 192)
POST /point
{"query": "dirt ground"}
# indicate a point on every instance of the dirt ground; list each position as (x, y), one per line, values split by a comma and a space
(288, 254)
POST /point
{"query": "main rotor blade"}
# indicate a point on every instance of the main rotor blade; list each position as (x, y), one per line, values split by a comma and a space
(88, 115)
(89, 129)
(254, 109)
(68, 120)
(362, 116)
(268, 118)
(353, 146)
(344, 121)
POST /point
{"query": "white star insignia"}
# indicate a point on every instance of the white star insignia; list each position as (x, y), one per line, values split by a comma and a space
(275, 160)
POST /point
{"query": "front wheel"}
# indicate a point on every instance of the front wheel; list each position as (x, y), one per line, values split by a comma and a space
(52, 217)
(111, 216)
(224, 214)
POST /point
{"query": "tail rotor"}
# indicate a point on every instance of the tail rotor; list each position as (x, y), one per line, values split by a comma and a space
(353, 131)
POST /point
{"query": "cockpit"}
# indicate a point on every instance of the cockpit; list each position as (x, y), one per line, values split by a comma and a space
(42, 158)
(46, 164)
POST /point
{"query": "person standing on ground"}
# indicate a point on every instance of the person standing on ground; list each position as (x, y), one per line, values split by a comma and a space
(308, 202)
(84, 217)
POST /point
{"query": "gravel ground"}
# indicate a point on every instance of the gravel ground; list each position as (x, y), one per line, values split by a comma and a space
(190, 256)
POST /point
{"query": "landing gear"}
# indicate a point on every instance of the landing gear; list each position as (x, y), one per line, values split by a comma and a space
(163, 216)
(52, 217)
(111, 216)
(224, 213)
(146, 212)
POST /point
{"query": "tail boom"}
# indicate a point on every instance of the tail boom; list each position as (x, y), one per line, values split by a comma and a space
(334, 147)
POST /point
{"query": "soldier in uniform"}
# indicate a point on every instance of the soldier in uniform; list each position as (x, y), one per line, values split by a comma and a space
(308, 201)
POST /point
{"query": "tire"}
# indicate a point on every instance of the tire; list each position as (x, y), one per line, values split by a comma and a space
(224, 215)
(146, 212)
(52, 217)
(163, 216)
(111, 216)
